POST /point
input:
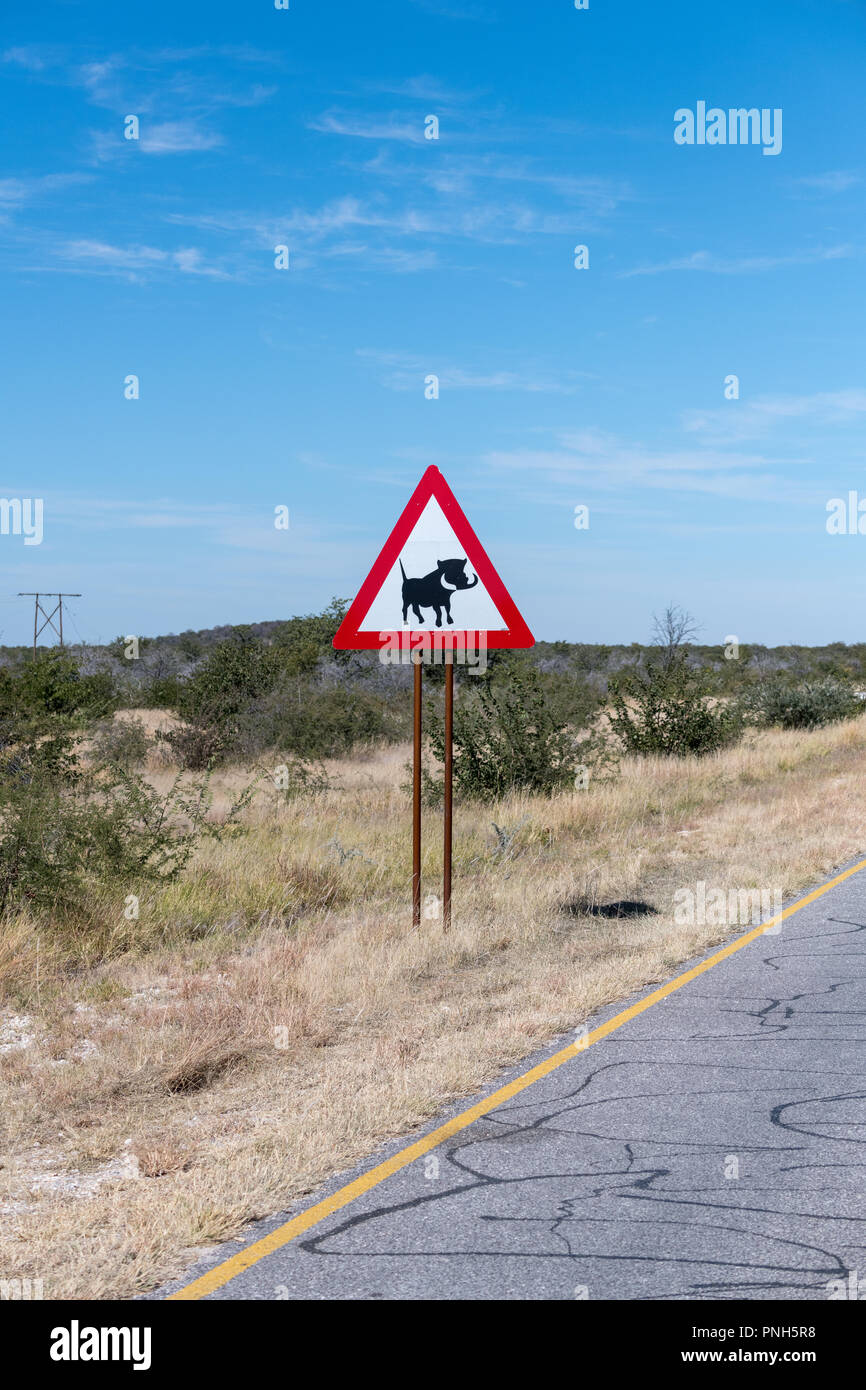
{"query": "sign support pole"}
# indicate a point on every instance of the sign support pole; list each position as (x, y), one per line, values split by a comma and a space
(430, 526)
(416, 803)
(449, 763)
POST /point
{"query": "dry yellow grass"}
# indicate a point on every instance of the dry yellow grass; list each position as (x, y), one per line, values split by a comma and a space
(278, 1016)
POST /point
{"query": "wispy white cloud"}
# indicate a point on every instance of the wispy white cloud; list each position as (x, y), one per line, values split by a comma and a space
(104, 258)
(160, 138)
(190, 261)
(257, 95)
(743, 265)
(233, 525)
(388, 232)
(154, 83)
(132, 257)
(174, 94)
(108, 512)
(335, 217)
(101, 80)
(403, 260)
(366, 128)
(463, 177)
(631, 467)
(601, 463)
(759, 418)
(325, 234)
(426, 88)
(405, 372)
(177, 137)
(835, 181)
(599, 195)
(17, 192)
(30, 56)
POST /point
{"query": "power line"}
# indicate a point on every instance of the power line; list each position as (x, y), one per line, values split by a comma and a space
(75, 625)
(57, 611)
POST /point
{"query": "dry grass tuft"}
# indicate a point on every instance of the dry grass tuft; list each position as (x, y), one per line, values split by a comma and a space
(156, 1158)
(200, 1065)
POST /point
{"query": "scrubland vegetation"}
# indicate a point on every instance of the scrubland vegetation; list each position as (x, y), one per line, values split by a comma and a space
(212, 993)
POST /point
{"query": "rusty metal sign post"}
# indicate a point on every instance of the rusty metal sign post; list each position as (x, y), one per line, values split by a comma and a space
(416, 802)
(448, 794)
(432, 561)
(448, 778)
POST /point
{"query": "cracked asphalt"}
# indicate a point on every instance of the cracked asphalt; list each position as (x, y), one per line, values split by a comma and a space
(710, 1148)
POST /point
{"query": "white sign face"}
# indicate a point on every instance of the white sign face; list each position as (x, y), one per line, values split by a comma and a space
(431, 582)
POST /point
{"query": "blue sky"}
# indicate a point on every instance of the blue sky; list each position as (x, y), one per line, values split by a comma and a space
(304, 387)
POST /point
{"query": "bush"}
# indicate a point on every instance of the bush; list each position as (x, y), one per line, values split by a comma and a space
(667, 709)
(53, 685)
(122, 742)
(294, 776)
(194, 747)
(66, 826)
(506, 736)
(248, 698)
(213, 700)
(68, 823)
(236, 672)
(164, 692)
(302, 718)
(303, 642)
(787, 704)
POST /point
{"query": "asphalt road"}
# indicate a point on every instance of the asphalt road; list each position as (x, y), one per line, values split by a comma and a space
(710, 1148)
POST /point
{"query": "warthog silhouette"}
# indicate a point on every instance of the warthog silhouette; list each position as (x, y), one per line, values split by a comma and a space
(434, 590)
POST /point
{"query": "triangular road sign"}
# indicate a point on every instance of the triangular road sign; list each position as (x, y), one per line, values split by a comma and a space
(433, 566)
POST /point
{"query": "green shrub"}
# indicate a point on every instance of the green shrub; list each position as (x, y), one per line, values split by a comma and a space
(667, 709)
(53, 685)
(507, 736)
(784, 702)
(122, 742)
(66, 825)
(236, 672)
(294, 776)
(212, 701)
(196, 747)
(305, 719)
(303, 642)
(164, 692)
(249, 698)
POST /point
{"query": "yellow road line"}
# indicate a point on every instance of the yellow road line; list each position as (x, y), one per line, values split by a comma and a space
(244, 1259)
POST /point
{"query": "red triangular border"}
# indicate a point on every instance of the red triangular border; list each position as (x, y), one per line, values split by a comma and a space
(433, 484)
